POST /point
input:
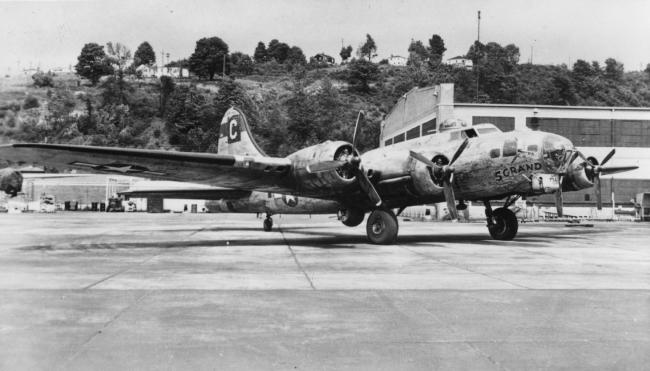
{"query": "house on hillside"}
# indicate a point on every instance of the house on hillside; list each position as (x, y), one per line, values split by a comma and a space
(397, 60)
(460, 62)
(159, 71)
(322, 58)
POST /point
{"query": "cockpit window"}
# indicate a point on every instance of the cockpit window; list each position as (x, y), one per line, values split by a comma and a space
(509, 148)
(532, 148)
(495, 153)
(469, 133)
(484, 131)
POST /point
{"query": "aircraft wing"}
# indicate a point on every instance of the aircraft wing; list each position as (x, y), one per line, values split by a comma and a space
(188, 194)
(233, 171)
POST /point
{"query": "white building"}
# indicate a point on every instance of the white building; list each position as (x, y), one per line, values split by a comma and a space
(460, 62)
(397, 60)
(159, 71)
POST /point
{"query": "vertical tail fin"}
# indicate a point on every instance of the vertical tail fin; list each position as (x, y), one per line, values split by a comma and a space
(235, 136)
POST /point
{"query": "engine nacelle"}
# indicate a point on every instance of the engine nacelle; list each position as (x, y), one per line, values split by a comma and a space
(424, 182)
(11, 181)
(577, 178)
(319, 181)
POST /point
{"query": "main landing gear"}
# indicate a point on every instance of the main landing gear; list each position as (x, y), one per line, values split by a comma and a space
(268, 223)
(382, 227)
(502, 222)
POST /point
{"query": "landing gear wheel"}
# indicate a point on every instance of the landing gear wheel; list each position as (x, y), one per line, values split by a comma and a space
(268, 224)
(382, 227)
(351, 217)
(504, 224)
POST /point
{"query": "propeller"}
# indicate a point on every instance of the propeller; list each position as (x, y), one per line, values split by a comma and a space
(353, 164)
(446, 174)
(594, 170)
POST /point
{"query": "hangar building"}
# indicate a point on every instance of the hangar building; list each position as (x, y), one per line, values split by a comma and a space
(594, 130)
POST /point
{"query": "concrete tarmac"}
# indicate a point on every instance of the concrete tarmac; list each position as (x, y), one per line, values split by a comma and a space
(84, 291)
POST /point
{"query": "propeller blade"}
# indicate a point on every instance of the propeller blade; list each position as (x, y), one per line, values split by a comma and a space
(320, 167)
(609, 155)
(599, 197)
(423, 159)
(559, 203)
(573, 157)
(451, 199)
(459, 151)
(616, 169)
(585, 159)
(367, 187)
(356, 128)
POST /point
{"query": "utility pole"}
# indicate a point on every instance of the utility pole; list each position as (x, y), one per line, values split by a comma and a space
(478, 37)
(223, 72)
(478, 60)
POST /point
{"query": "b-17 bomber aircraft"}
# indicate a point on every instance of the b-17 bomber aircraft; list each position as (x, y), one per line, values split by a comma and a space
(479, 163)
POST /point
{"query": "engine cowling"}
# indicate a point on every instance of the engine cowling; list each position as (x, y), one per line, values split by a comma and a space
(11, 181)
(424, 181)
(576, 178)
(336, 178)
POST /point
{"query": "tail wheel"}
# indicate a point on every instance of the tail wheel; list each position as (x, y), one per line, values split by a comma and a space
(268, 224)
(351, 217)
(382, 227)
(504, 224)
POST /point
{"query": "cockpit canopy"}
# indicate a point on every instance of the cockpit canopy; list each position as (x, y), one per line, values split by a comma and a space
(475, 131)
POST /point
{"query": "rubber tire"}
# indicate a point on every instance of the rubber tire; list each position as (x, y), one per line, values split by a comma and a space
(351, 217)
(382, 227)
(268, 224)
(505, 224)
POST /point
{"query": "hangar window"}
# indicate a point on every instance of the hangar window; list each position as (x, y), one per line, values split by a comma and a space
(509, 148)
(413, 133)
(388, 142)
(587, 197)
(429, 127)
(398, 138)
(496, 152)
(270, 195)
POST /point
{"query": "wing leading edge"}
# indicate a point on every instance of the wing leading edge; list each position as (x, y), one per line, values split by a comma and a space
(225, 170)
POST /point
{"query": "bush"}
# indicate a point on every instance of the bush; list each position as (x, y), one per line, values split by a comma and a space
(42, 79)
(30, 102)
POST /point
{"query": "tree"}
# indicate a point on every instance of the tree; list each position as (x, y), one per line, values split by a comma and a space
(613, 69)
(144, 55)
(260, 55)
(360, 73)
(368, 49)
(241, 63)
(208, 57)
(582, 69)
(119, 57)
(346, 52)
(296, 56)
(92, 63)
(278, 50)
(42, 79)
(436, 49)
(418, 53)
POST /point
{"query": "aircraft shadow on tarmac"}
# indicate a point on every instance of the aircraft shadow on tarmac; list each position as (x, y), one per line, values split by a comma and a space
(324, 240)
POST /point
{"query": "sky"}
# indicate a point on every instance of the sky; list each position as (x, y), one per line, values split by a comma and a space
(51, 33)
